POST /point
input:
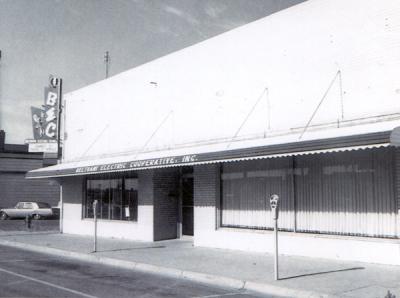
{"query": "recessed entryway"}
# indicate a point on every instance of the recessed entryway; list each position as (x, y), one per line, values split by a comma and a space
(187, 205)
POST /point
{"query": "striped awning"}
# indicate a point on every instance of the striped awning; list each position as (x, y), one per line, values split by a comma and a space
(211, 153)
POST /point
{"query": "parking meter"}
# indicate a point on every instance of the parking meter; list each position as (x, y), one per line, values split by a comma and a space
(274, 203)
(95, 225)
(95, 208)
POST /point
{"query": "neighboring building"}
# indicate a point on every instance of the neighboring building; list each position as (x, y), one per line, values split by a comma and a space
(15, 161)
(302, 103)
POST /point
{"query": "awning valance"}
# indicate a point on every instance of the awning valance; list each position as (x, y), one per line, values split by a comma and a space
(213, 153)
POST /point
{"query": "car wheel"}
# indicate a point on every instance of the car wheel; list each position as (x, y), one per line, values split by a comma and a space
(3, 216)
(37, 216)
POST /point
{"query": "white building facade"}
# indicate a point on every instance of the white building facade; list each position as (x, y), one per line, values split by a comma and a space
(303, 104)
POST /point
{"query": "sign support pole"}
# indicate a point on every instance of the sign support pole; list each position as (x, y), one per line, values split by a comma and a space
(59, 155)
(95, 225)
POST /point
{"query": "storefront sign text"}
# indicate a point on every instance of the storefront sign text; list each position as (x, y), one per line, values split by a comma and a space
(148, 163)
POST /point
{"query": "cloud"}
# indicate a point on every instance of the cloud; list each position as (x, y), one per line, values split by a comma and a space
(214, 11)
(183, 15)
(174, 10)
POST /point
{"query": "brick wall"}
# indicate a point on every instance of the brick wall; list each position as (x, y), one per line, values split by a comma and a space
(145, 206)
(206, 199)
(166, 193)
(146, 189)
(19, 164)
(14, 187)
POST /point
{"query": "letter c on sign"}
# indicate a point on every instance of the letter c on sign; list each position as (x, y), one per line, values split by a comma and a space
(51, 130)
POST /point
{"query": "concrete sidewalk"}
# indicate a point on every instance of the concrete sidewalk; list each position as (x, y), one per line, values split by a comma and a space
(299, 277)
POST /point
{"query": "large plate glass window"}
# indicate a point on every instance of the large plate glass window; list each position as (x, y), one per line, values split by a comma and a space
(341, 193)
(246, 188)
(117, 198)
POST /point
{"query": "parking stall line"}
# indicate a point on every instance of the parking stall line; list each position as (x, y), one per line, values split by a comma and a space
(47, 283)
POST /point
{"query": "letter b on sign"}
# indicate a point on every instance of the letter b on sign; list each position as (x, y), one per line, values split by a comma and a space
(51, 99)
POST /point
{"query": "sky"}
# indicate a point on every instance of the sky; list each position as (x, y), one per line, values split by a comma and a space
(68, 38)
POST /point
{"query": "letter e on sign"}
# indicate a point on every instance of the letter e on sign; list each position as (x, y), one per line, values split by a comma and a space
(50, 114)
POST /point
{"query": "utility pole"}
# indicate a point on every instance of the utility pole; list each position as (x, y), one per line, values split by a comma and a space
(107, 62)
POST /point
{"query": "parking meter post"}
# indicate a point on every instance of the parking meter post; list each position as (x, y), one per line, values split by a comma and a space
(28, 221)
(61, 215)
(276, 249)
(95, 225)
(274, 200)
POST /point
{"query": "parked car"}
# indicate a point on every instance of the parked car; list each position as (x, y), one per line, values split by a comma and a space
(37, 210)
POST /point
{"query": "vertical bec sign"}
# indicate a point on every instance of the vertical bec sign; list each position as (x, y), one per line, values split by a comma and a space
(46, 120)
(51, 112)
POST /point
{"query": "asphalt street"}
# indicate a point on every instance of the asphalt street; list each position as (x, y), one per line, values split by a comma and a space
(27, 274)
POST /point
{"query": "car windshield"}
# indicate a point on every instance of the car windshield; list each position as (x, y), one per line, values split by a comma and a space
(19, 206)
(43, 205)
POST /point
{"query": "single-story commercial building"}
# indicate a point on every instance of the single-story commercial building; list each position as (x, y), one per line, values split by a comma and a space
(303, 103)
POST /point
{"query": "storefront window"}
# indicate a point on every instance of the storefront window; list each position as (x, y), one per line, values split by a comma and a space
(246, 188)
(117, 198)
(341, 193)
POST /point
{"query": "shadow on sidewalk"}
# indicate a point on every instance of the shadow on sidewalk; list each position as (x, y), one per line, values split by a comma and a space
(323, 272)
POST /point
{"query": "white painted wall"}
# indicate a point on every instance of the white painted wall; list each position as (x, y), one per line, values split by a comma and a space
(74, 224)
(141, 230)
(371, 250)
(210, 87)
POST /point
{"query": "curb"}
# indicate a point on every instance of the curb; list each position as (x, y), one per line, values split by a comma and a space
(210, 279)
